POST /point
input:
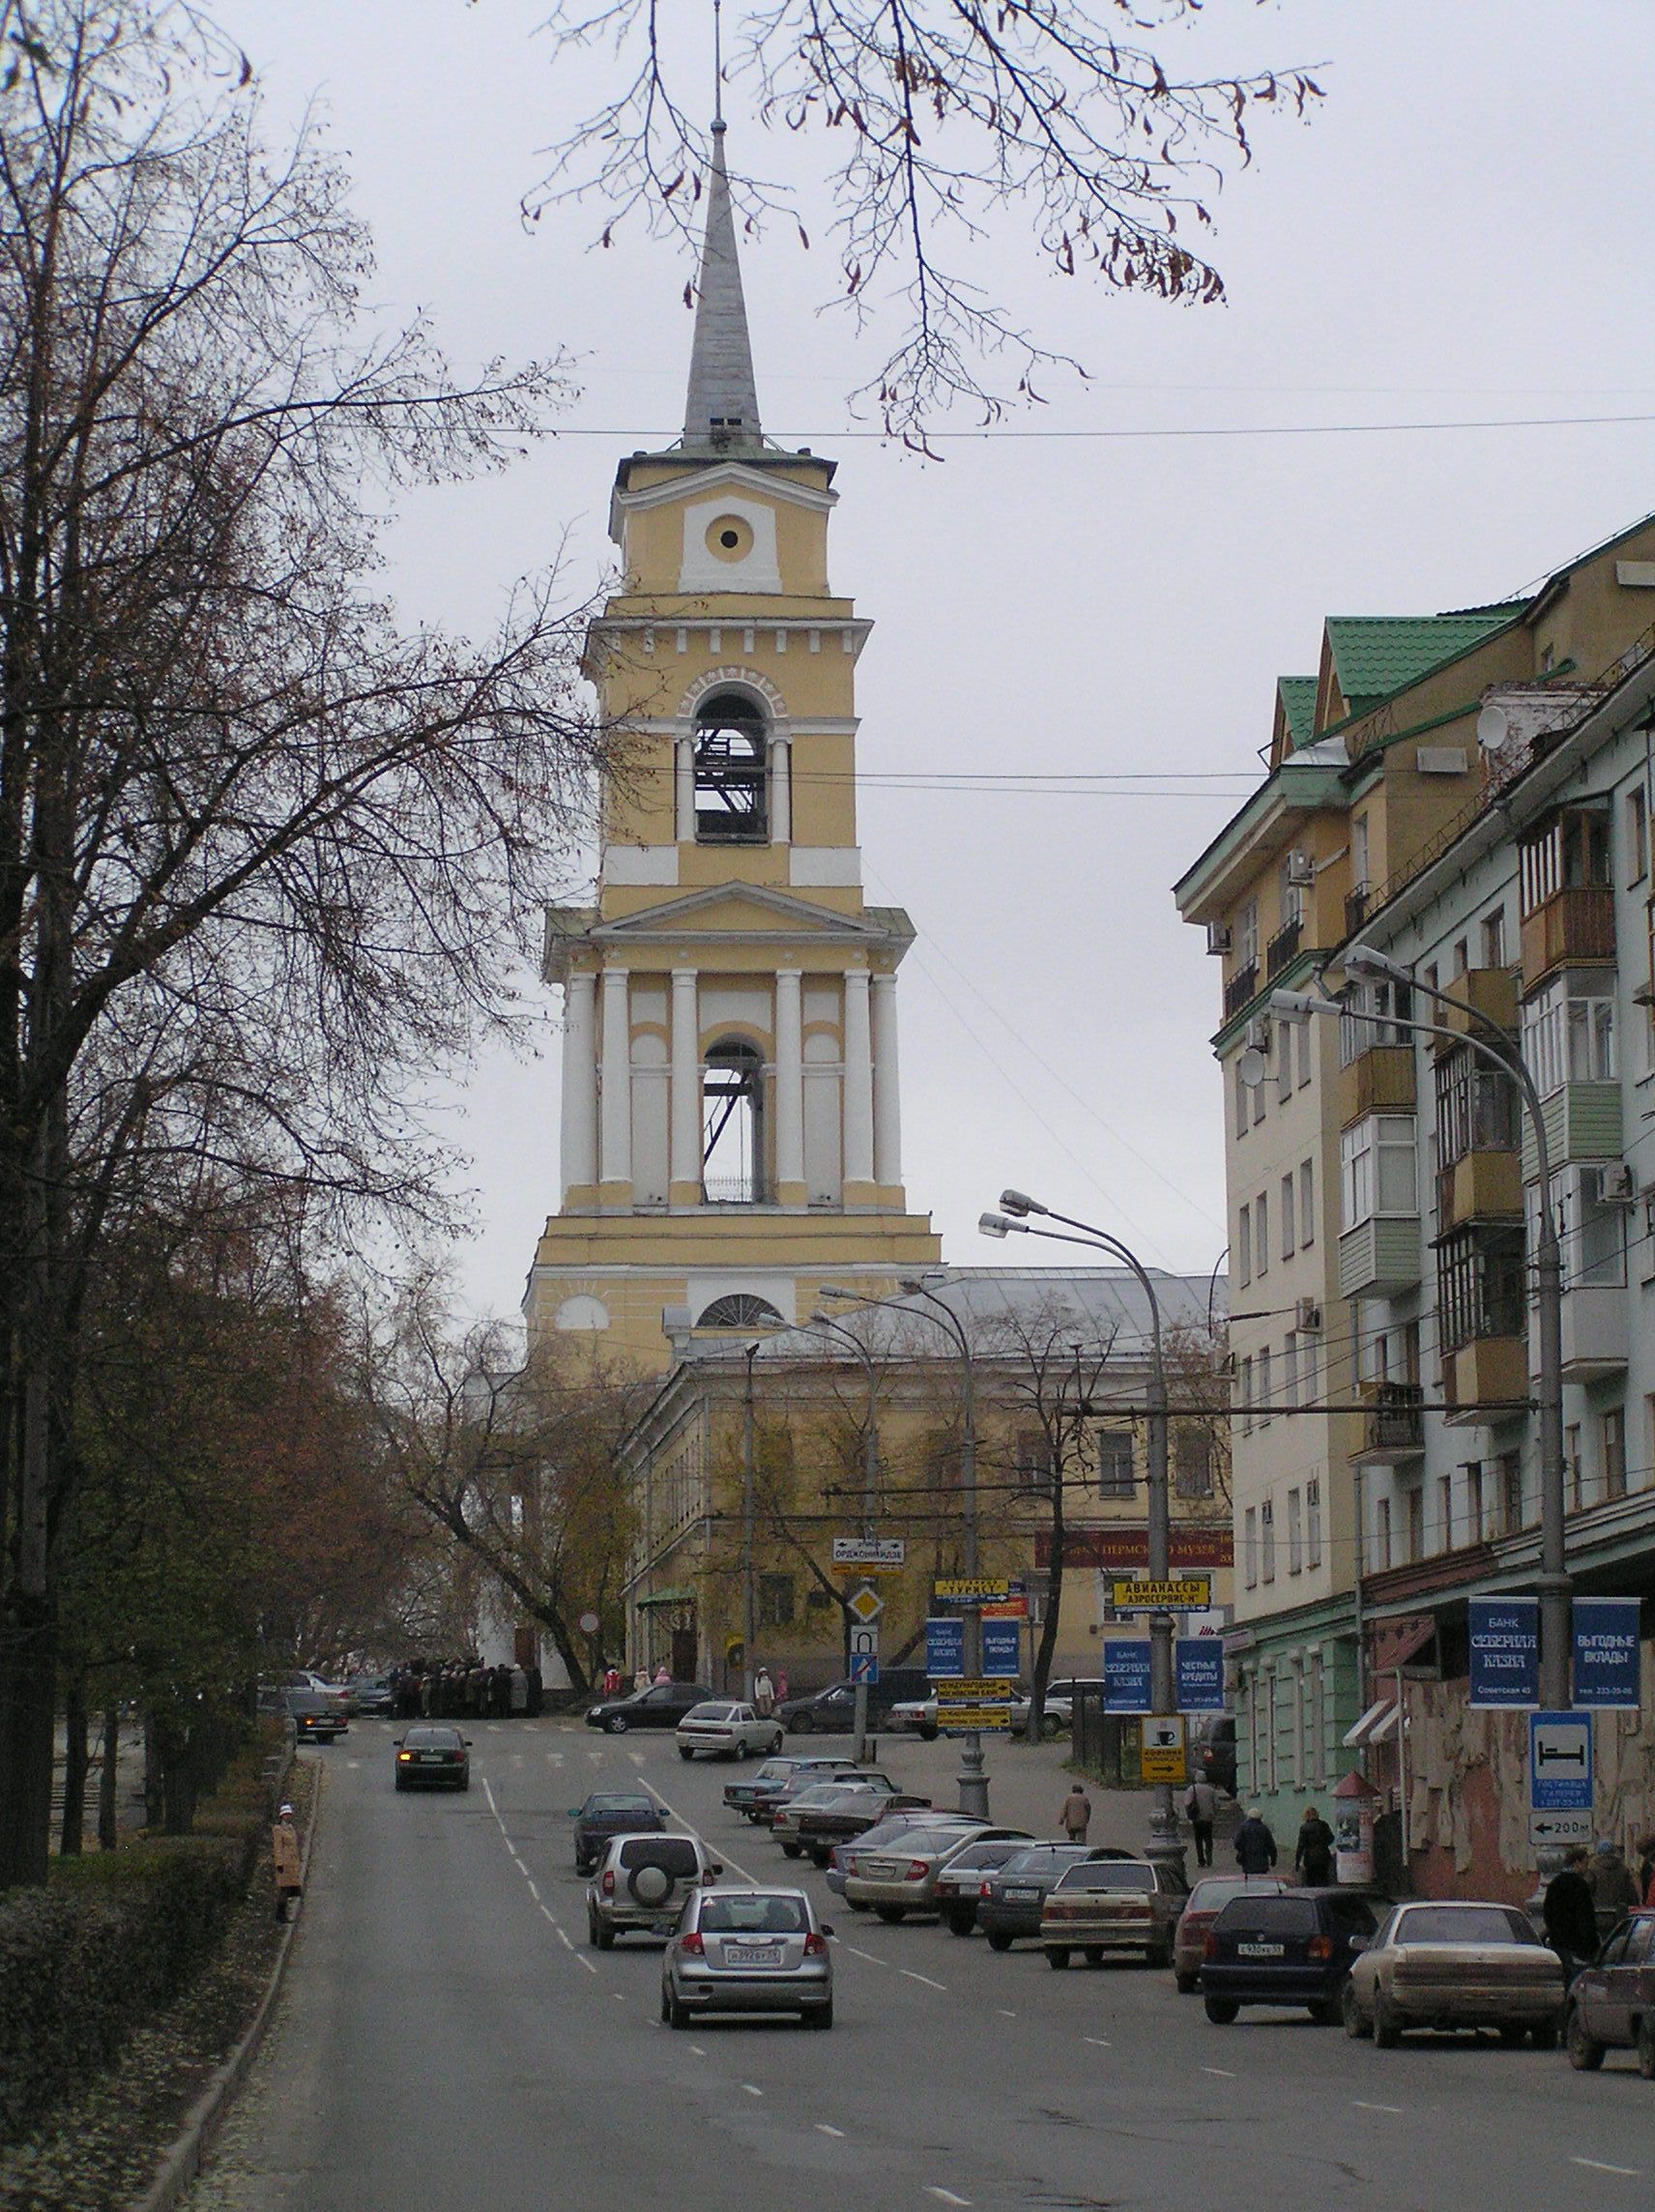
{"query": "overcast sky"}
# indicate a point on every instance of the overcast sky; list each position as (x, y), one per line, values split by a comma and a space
(1463, 232)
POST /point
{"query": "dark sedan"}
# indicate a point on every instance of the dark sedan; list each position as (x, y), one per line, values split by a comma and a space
(1611, 2003)
(821, 1826)
(433, 1758)
(752, 1797)
(1295, 1949)
(610, 1813)
(1009, 1900)
(662, 1705)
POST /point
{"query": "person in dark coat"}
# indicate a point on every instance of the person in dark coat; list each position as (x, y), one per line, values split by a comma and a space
(1570, 1917)
(1255, 1845)
(1314, 1856)
(537, 1691)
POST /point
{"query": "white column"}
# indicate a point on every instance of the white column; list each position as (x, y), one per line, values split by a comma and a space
(788, 1079)
(683, 790)
(579, 1131)
(781, 791)
(887, 1096)
(859, 1080)
(686, 1079)
(616, 1126)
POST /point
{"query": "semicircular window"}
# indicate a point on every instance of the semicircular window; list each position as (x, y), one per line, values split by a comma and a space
(741, 1310)
(731, 803)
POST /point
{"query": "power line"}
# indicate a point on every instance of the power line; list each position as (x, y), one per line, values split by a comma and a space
(999, 431)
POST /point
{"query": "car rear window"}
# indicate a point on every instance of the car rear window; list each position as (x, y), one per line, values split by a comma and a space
(675, 1853)
(1045, 1861)
(732, 1914)
(1109, 1874)
(1463, 1924)
(710, 1713)
(431, 1740)
(614, 1802)
(1269, 1916)
(1213, 1896)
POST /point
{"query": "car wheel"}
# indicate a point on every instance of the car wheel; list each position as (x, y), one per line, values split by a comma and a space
(677, 2015)
(793, 1851)
(1388, 2027)
(928, 1734)
(1221, 2011)
(616, 1725)
(1324, 2013)
(684, 1752)
(1093, 1955)
(1186, 1985)
(800, 1723)
(1051, 1727)
(890, 1914)
(1350, 2013)
(858, 1904)
(666, 2006)
(1058, 1958)
(400, 1783)
(1546, 2039)
(818, 2016)
(1000, 1943)
(776, 1742)
(1585, 2051)
(741, 1747)
(1511, 2035)
(1159, 1954)
(1645, 2046)
(602, 1936)
(962, 1923)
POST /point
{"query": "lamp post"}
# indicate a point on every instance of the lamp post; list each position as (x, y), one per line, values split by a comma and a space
(1554, 1583)
(1164, 1844)
(870, 1490)
(974, 1782)
(749, 1605)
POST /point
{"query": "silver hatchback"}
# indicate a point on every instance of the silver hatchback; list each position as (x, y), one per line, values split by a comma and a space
(748, 1951)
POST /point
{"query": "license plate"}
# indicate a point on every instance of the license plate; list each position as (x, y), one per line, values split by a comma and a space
(1259, 1950)
(1020, 1896)
(752, 1955)
(433, 1758)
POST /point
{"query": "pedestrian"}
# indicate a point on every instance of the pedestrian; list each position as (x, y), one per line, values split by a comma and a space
(518, 1693)
(640, 1677)
(285, 1856)
(1314, 1856)
(781, 1685)
(1255, 1845)
(1610, 1880)
(538, 1691)
(764, 1695)
(1646, 1867)
(1074, 1814)
(1569, 1915)
(611, 1680)
(663, 1674)
(1200, 1810)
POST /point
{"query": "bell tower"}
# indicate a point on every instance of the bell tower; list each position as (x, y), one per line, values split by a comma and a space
(731, 1129)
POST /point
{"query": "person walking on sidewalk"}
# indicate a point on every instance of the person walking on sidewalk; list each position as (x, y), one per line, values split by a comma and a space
(1200, 1810)
(1314, 1856)
(1074, 1817)
(1255, 1845)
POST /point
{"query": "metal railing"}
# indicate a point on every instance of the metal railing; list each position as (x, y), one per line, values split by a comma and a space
(1240, 990)
(1283, 949)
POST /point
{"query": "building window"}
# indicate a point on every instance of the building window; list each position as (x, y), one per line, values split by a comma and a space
(1306, 1050)
(1313, 1522)
(1479, 1285)
(1286, 1217)
(1265, 1408)
(1193, 1462)
(1416, 1522)
(1511, 1492)
(1317, 1718)
(1295, 1533)
(1114, 1475)
(1250, 1548)
(1267, 1541)
(1614, 1441)
(1383, 1543)
(1258, 1093)
(1571, 850)
(731, 1150)
(1244, 1394)
(1246, 935)
(1474, 1501)
(1636, 837)
(1307, 1203)
(1445, 1509)
(1568, 1033)
(1306, 1371)
(775, 1601)
(1290, 1369)
(1262, 1233)
(731, 775)
(1476, 1107)
(1240, 1101)
(1244, 1245)
(1494, 939)
(1377, 1170)
(741, 1310)
(1370, 1016)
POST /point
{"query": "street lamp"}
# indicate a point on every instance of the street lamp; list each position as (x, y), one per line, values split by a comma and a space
(1164, 1844)
(870, 1488)
(974, 1782)
(1554, 1585)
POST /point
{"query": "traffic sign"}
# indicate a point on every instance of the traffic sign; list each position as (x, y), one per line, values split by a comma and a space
(1164, 1755)
(975, 1690)
(866, 1605)
(874, 1555)
(972, 1720)
(1551, 1831)
(973, 1589)
(1183, 1593)
(864, 1654)
(1001, 1646)
(1561, 1763)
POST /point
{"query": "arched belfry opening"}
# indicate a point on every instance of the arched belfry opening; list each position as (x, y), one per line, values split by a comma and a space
(732, 803)
(733, 1127)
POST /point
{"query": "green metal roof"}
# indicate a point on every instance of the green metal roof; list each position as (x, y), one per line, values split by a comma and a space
(1298, 696)
(1376, 655)
(667, 1597)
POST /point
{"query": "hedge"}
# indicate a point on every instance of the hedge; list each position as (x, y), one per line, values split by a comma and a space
(113, 1939)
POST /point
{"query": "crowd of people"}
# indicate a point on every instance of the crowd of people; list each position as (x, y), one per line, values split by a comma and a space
(465, 1690)
(1589, 1893)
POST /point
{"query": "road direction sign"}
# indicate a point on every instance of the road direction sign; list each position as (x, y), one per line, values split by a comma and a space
(975, 1690)
(973, 1589)
(1164, 1755)
(944, 1647)
(873, 1554)
(1183, 1593)
(1561, 1763)
(973, 1720)
(1551, 1831)
(866, 1605)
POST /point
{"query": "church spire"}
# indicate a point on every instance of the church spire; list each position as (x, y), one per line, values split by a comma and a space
(722, 409)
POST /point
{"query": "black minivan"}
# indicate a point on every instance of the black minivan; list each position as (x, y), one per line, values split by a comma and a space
(1293, 1948)
(833, 1712)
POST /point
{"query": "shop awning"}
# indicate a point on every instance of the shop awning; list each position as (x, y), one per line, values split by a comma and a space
(1374, 1723)
(666, 1597)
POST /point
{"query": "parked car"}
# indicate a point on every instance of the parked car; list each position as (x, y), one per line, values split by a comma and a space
(610, 1813)
(1112, 1905)
(841, 1770)
(961, 1877)
(822, 1829)
(918, 1716)
(861, 1791)
(726, 1731)
(369, 1694)
(833, 1712)
(1454, 1964)
(313, 1716)
(1611, 2003)
(753, 1795)
(334, 1694)
(1009, 1900)
(643, 1883)
(748, 1951)
(433, 1756)
(894, 1824)
(1207, 1900)
(1213, 1752)
(662, 1705)
(903, 1878)
(1294, 1947)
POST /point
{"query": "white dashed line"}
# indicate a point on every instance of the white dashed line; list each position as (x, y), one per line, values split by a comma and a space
(1098, 2042)
(636, 1756)
(1004, 2014)
(1362, 2106)
(947, 2196)
(823, 2129)
(533, 1891)
(554, 1759)
(1599, 2165)
(1222, 2071)
(696, 2050)
(910, 1975)
(751, 2090)
(716, 1850)
(353, 1764)
(872, 1958)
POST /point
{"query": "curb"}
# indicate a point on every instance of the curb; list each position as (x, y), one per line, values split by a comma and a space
(188, 2153)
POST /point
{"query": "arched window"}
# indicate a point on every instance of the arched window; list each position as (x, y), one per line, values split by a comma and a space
(733, 1131)
(731, 772)
(741, 1310)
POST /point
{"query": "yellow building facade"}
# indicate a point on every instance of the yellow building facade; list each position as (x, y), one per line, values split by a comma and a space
(730, 1133)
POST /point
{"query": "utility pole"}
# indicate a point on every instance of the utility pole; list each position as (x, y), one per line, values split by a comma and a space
(749, 1594)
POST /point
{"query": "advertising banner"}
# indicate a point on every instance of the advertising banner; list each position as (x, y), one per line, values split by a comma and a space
(1200, 1674)
(1505, 1651)
(1125, 1675)
(1605, 1653)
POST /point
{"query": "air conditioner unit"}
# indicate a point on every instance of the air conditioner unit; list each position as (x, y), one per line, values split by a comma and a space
(1301, 869)
(1308, 1317)
(1259, 1033)
(1617, 1184)
(1218, 937)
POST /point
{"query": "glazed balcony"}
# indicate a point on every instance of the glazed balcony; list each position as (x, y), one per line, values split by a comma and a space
(1575, 926)
(1480, 1186)
(1492, 993)
(1486, 1380)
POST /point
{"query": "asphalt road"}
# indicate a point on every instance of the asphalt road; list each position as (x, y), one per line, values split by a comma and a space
(446, 2040)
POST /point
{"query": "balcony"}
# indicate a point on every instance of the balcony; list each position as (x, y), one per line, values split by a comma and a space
(735, 1190)
(1242, 990)
(1595, 1333)
(1378, 1081)
(1355, 908)
(1395, 1424)
(1492, 993)
(1283, 949)
(1481, 1185)
(1583, 1122)
(1486, 1380)
(1379, 1259)
(1575, 924)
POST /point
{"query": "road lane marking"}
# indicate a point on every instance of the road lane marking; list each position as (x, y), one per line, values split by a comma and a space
(947, 2196)
(1362, 2106)
(1598, 2166)
(584, 1960)
(554, 1759)
(872, 1957)
(533, 1891)
(1222, 2071)
(908, 1974)
(823, 2129)
(716, 1850)
(696, 2050)
(353, 1764)
(547, 1910)
(596, 1757)
(636, 1756)
(751, 2090)
(1004, 2014)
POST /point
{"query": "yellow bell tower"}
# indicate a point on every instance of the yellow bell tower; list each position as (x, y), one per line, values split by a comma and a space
(731, 1125)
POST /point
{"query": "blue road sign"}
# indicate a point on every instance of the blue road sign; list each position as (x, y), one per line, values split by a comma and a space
(1561, 1763)
(1200, 1664)
(1001, 1646)
(864, 1666)
(1505, 1650)
(945, 1647)
(1125, 1675)
(1605, 1653)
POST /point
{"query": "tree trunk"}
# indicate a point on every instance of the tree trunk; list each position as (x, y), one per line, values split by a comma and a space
(74, 1766)
(1049, 1626)
(108, 1781)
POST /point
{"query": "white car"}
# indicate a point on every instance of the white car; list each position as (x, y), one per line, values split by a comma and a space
(918, 1716)
(727, 1732)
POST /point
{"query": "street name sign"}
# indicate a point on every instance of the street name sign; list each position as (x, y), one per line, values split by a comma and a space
(1200, 1666)
(1607, 1654)
(1552, 1831)
(972, 1590)
(1183, 1593)
(1001, 1646)
(1164, 1755)
(944, 1647)
(872, 1555)
(1561, 1763)
(1505, 1651)
(1125, 1675)
(866, 1605)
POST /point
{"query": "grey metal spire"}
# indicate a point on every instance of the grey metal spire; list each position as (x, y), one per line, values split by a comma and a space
(723, 410)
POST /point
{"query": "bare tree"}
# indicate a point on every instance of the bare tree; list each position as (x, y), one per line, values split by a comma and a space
(950, 116)
(266, 865)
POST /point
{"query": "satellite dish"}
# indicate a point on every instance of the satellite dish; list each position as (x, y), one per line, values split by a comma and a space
(1493, 728)
(1253, 1067)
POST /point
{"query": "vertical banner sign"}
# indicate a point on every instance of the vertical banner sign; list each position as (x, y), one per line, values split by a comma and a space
(1605, 1653)
(1200, 1660)
(1127, 1675)
(1001, 1646)
(1505, 1651)
(945, 1647)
